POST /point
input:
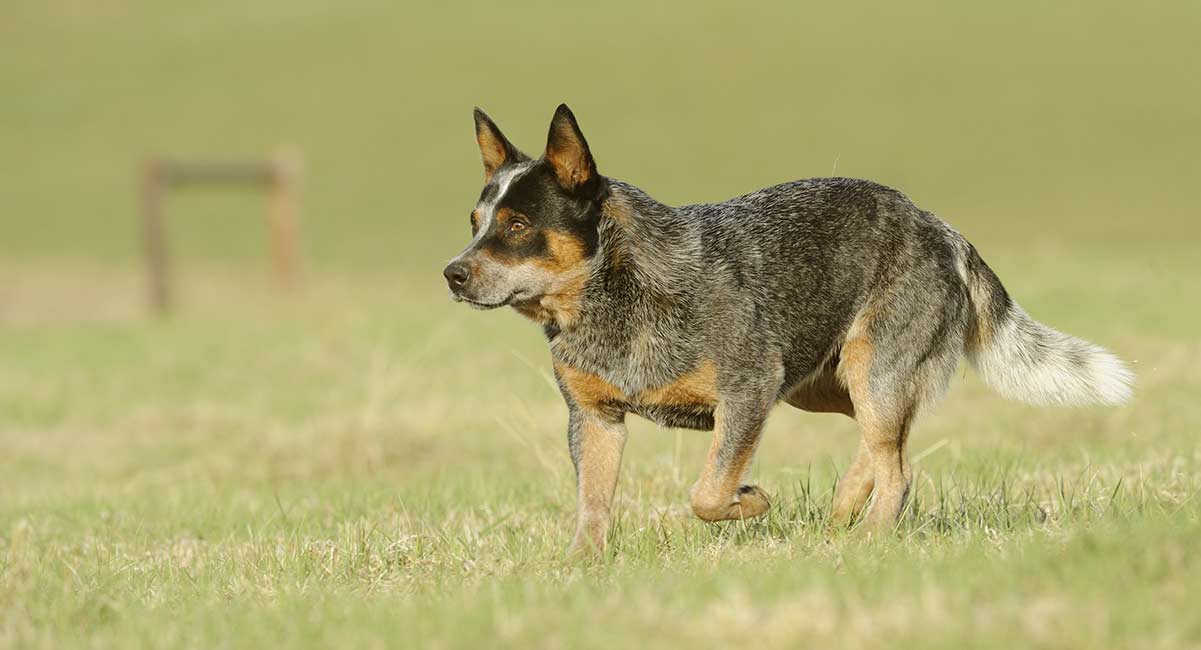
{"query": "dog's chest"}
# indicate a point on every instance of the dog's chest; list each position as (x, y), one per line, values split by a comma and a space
(696, 386)
(682, 395)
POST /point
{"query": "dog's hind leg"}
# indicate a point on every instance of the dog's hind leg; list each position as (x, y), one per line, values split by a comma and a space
(885, 440)
(884, 413)
(738, 424)
(854, 487)
(891, 363)
(823, 393)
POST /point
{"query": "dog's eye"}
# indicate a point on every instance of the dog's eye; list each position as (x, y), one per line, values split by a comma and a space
(518, 226)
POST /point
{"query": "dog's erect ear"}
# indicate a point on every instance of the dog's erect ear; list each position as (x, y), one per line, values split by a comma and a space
(495, 148)
(567, 151)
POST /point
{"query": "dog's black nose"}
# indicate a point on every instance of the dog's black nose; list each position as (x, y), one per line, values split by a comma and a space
(456, 274)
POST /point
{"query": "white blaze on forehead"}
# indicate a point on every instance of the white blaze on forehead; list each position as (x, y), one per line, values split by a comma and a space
(504, 179)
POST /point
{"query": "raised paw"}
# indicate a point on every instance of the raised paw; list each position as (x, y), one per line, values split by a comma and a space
(748, 502)
(753, 501)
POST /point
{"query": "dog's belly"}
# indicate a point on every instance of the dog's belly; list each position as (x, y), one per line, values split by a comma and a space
(682, 416)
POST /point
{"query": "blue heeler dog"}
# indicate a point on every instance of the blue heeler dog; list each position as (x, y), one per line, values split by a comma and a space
(831, 294)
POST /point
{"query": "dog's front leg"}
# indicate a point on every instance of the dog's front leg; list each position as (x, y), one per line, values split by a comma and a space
(719, 493)
(596, 441)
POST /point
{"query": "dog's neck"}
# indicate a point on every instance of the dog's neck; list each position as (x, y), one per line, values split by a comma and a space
(646, 256)
(641, 286)
(653, 243)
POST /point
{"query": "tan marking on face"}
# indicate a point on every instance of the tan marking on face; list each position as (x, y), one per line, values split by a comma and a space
(504, 215)
(561, 307)
(568, 269)
(566, 252)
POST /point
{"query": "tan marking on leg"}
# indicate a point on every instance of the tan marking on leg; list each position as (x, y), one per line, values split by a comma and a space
(601, 445)
(884, 423)
(854, 369)
(854, 487)
(718, 494)
(855, 358)
(887, 448)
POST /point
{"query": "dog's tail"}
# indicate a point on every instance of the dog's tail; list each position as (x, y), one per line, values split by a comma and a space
(1023, 359)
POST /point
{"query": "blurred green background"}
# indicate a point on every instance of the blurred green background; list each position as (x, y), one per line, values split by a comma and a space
(1015, 121)
(362, 461)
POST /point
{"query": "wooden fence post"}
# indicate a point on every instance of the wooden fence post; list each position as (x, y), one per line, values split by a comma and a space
(281, 217)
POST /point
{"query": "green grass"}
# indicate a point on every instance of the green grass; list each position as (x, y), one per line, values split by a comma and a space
(365, 464)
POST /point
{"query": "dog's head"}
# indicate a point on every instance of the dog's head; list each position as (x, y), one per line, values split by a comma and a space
(534, 227)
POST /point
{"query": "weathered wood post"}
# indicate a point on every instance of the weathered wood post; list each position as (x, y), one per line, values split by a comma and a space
(281, 217)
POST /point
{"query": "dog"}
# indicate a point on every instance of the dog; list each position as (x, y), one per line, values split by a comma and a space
(833, 295)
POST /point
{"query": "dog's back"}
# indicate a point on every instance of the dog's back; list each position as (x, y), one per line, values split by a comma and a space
(807, 261)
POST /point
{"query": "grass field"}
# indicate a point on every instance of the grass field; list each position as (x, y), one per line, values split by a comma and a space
(365, 464)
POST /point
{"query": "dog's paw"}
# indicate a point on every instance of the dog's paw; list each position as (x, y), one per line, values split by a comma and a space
(748, 502)
(582, 552)
(752, 502)
(588, 544)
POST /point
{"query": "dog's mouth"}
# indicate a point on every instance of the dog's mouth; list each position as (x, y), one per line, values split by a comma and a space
(517, 298)
(483, 306)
